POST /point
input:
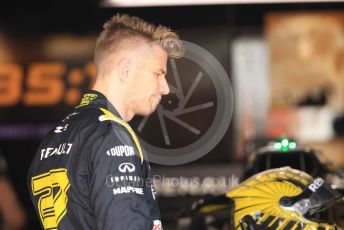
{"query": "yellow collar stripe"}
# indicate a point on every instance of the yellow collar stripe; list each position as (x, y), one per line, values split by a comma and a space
(110, 116)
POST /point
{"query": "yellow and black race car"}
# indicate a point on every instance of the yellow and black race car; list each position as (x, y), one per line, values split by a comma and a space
(272, 196)
(276, 199)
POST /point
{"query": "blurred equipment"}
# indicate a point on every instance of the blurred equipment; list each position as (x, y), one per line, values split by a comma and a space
(306, 58)
(146, 3)
(285, 152)
(12, 216)
(282, 198)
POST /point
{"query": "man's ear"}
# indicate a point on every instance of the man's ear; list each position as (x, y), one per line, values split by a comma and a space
(123, 69)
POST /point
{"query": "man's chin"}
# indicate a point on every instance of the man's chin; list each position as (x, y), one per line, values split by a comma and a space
(147, 112)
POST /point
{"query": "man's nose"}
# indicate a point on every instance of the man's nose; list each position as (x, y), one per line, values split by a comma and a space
(164, 88)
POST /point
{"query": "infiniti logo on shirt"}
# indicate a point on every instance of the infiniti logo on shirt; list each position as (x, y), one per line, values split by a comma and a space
(126, 167)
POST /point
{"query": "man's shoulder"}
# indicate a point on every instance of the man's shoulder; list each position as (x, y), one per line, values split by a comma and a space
(88, 117)
(87, 125)
(90, 123)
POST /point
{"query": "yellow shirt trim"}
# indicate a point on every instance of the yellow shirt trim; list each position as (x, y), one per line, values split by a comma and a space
(110, 116)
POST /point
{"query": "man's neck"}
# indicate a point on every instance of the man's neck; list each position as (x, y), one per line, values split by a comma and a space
(116, 98)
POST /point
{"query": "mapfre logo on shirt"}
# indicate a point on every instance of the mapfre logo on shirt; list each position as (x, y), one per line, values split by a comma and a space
(157, 225)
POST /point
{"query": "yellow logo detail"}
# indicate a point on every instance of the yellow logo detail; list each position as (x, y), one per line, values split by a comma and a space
(87, 99)
(51, 187)
(110, 116)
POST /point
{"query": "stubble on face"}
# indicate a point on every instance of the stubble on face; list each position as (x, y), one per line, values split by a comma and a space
(144, 93)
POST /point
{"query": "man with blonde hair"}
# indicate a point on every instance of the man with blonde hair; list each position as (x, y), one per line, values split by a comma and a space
(90, 172)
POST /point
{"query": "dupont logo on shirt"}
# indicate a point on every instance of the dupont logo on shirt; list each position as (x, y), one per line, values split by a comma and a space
(157, 225)
(121, 151)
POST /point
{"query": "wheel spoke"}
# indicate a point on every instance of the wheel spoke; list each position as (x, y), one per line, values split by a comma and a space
(182, 123)
(183, 102)
(163, 126)
(178, 112)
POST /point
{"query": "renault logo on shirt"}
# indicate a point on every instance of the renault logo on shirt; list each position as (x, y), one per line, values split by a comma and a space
(126, 167)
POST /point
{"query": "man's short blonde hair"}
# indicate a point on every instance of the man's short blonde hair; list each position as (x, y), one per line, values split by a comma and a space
(125, 32)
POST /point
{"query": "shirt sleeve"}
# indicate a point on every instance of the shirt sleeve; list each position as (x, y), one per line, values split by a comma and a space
(117, 185)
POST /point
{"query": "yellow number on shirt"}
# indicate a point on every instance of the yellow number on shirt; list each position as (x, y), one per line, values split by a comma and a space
(51, 187)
